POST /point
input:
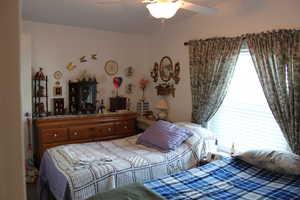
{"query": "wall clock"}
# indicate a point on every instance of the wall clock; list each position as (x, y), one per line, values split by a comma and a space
(111, 67)
(58, 75)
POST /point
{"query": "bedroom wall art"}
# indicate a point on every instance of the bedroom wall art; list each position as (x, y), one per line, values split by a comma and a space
(70, 67)
(129, 71)
(85, 42)
(94, 57)
(111, 67)
(117, 81)
(57, 91)
(129, 88)
(168, 74)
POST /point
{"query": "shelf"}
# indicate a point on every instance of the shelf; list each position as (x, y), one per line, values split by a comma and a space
(40, 97)
(165, 91)
(39, 80)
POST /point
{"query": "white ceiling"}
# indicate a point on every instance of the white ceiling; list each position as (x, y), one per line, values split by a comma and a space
(128, 16)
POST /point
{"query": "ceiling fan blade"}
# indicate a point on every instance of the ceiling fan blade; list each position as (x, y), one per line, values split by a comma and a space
(148, 1)
(197, 8)
(107, 2)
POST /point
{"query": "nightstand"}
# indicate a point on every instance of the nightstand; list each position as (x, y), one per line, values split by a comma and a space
(217, 155)
(213, 156)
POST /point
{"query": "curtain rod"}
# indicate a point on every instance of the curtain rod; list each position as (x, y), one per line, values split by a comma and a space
(242, 36)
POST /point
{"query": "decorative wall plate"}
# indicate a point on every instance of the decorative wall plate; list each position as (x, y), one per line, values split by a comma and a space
(58, 75)
(111, 67)
(129, 71)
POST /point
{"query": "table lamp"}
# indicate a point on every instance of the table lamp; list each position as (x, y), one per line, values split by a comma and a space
(163, 107)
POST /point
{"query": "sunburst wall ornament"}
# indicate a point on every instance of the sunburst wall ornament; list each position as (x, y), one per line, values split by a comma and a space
(70, 67)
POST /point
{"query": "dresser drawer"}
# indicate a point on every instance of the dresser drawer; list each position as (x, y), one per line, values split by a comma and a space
(54, 135)
(124, 126)
(81, 132)
(105, 129)
(90, 128)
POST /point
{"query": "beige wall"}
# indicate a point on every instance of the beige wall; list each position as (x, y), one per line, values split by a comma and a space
(234, 17)
(11, 143)
(54, 46)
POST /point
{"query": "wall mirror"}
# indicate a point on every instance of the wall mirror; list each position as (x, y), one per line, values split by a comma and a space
(166, 69)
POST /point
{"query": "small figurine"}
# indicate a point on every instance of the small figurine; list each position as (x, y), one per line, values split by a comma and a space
(102, 107)
(39, 75)
(128, 104)
(40, 92)
(40, 107)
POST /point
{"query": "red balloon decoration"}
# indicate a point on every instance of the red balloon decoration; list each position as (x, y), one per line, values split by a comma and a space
(117, 82)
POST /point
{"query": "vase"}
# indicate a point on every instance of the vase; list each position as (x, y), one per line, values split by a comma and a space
(143, 94)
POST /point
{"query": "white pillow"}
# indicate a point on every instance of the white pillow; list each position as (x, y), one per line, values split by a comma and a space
(276, 161)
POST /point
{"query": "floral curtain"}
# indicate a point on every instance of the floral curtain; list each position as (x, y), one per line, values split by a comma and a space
(276, 56)
(212, 63)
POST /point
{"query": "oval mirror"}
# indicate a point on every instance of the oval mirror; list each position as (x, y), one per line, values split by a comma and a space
(166, 68)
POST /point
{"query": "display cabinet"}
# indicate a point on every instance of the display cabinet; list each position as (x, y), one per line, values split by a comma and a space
(82, 97)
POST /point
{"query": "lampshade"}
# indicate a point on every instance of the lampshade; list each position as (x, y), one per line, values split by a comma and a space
(163, 10)
(162, 105)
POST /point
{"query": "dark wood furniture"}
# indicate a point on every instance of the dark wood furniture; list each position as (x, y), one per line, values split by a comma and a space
(82, 97)
(165, 90)
(40, 94)
(54, 131)
(59, 106)
(117, 103)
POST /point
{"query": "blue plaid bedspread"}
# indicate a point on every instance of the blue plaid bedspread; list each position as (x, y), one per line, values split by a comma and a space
(227, 179)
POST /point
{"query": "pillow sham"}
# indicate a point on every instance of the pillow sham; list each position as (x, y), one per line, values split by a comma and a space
(276, 161)
(164, 136)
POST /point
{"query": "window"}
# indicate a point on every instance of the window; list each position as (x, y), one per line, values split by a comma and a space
(245, 118)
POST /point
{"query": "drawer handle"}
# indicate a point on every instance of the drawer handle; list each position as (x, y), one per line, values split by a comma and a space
(75, 133)
(125, 126)
(55, 135)
(109, 129)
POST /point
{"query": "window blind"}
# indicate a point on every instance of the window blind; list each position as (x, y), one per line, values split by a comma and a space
(245, 118)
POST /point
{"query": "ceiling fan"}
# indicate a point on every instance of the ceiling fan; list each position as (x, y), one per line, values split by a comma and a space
(165, 9)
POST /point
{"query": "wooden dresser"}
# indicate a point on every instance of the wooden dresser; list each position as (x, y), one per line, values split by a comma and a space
(54, 131)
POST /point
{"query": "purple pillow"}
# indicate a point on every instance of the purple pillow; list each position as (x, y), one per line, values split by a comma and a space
(164, 136)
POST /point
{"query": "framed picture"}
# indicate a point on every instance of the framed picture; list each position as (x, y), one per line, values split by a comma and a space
(57, 91)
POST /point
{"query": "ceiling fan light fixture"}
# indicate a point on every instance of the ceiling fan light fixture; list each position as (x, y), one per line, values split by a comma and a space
(163, 10)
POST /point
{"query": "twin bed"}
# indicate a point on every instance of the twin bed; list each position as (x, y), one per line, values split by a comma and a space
(225, 179)
(81, 171)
